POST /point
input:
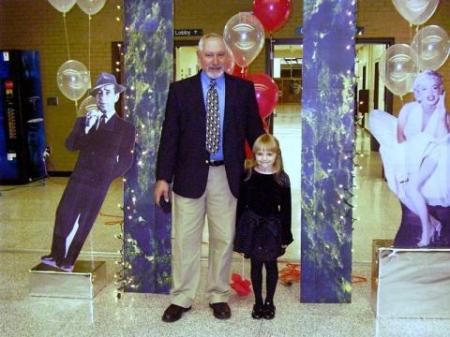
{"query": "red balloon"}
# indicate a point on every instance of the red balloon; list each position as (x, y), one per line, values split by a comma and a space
(248, 149)
(272, 13)
(266, 93)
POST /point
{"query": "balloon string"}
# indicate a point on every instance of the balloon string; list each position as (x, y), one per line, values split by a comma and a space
(66, 33)
(401, 99)
(271, 54)
(89, 45)
(76, 106)
(411, 28)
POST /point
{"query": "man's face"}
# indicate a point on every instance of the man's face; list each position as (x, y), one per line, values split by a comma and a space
(106, 97)
(212, 57)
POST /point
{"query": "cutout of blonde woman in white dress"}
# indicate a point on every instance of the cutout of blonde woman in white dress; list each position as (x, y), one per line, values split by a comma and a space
(415, 149)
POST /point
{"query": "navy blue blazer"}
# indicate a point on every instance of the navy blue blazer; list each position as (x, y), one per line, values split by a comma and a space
(104, 154)
(182, 156)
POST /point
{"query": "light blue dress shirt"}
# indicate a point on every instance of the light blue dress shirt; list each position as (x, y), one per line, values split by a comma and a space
(220, 86)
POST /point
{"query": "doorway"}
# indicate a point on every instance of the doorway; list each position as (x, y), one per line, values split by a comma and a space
(185, 59)
(284, 63)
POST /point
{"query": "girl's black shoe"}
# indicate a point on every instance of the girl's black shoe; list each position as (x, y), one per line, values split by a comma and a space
(258, 311)
(268, 310)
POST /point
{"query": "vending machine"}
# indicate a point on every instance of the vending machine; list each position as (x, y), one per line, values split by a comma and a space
(22, 134)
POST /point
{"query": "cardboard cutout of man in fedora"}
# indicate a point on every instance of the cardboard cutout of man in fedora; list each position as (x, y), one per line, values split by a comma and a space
(105, 143)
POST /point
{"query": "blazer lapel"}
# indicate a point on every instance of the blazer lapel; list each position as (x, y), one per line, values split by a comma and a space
(230, 93)
(196, 96)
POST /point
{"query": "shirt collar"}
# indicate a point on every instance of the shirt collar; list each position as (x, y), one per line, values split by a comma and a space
(220, 81)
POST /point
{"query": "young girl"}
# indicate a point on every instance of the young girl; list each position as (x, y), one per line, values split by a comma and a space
(263, 228)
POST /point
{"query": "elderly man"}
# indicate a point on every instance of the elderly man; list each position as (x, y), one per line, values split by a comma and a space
(105, 143)
(208, 118)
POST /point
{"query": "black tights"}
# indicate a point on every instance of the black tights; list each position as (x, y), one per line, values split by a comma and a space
(271, 279)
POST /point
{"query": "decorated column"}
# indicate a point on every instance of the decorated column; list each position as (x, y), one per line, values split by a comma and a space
(327, 150)
(148, 72)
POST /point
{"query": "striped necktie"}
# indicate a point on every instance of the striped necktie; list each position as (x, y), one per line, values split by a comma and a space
(212, 118)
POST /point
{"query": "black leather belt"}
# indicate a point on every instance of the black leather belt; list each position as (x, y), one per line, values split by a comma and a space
(215, 162)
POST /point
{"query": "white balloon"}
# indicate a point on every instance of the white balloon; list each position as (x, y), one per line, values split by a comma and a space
(62, 6)
(73, 79)
(416, 12)
(244, 35)
(399, 68)
(91, 7)
(432, 46)
(229, 62)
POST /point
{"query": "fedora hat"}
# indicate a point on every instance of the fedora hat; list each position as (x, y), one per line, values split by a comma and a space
(106, 79)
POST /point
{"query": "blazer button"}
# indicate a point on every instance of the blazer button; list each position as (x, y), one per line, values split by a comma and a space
(207, 162)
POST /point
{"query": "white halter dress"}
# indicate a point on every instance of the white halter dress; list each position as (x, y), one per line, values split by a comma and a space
(401, 160)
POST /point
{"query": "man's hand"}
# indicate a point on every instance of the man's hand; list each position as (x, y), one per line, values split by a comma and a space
(161, 189)
(91, 119)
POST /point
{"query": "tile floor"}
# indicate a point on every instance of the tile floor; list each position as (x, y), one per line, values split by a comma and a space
(26, 223)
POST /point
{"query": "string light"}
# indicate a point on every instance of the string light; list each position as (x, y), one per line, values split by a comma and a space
(119, 14)
(122, 280)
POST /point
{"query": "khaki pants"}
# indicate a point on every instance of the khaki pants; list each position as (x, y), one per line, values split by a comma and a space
(219, 205)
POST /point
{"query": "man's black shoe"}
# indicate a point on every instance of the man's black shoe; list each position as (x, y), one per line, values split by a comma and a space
(221, 310)
(173, 313)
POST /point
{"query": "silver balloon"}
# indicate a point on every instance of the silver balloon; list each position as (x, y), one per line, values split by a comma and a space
(432, 46)
(62, 6)
(73, 79)
(416, 12)
(244, 35)
(91, 7)
(399, 68)
(229, 62)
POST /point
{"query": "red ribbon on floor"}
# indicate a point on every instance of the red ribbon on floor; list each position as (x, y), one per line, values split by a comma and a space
(240, 285)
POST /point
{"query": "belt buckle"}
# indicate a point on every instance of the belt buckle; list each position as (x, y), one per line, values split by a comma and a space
(216, 162)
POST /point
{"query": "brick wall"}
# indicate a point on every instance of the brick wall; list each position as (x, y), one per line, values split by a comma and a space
(380, 19)
(212, 18)
(35, 24)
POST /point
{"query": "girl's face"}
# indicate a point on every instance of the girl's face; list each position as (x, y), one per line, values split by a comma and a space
(429, 91)
(265, 160)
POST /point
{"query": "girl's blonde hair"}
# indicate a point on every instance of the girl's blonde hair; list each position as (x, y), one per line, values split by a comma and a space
(267, 142)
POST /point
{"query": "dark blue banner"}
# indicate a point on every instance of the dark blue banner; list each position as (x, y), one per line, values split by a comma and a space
(327, 150)
(148, 72)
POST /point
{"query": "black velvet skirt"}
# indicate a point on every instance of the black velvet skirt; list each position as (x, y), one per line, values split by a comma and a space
(258, 237)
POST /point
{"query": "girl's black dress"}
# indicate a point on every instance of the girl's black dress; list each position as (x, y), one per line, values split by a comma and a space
(263, 223)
